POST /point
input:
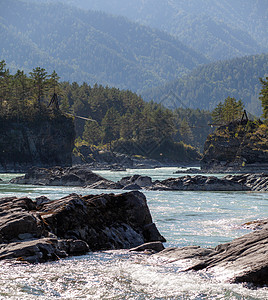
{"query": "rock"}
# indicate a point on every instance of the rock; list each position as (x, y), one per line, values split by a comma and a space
(243, 182)
(41, 200)
(142, 181)
(105, 184)
(242, 260)
(43, 143)
(103, 221)
(154, 246)
(70, 176)
(132, 186)
(73, 225)
(42, 250)
(237, 147)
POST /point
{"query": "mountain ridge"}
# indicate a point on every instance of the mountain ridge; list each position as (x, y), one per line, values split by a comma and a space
(195, 21)
(91, 46)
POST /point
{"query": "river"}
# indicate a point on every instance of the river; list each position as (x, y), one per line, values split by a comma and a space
(183, 218)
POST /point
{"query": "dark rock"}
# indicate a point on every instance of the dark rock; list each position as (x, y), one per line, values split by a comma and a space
(105, 184)
(132, 187)
(44, 142)
(73, 225)
(70, 176)
(103, 221)
(41, 200)
(142, 181)
(34, 251)
(73, 247)
(243, 182)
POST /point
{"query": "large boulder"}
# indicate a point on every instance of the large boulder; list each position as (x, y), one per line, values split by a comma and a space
(104, 221)
(41, 230)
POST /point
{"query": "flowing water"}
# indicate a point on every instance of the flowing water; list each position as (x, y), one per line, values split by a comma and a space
(184, 218)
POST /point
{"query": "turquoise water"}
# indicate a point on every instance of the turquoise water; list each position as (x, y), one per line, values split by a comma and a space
(184, 218)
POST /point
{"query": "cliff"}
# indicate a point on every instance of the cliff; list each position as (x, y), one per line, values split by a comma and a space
(238, 146)
(39, 142)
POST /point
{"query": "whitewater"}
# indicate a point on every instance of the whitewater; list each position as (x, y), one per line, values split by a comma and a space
(185, 218)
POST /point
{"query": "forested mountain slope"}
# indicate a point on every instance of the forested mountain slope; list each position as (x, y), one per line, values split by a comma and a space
(207, 85)
(220, 29)
(90, 46)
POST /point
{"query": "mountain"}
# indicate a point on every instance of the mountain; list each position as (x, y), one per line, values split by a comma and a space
(90, 46)
(207, 85)
(220, 29)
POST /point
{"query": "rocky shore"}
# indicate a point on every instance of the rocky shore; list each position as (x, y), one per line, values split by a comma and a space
(242, 260)
(83, 176)
(41, 230)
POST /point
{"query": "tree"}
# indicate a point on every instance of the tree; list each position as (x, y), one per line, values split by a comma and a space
(110, 125)
(228, 111)
(264, 97)
(92, 133)
(39, 76)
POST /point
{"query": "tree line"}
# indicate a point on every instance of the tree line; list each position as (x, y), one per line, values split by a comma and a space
(115, 119)
(24, 97)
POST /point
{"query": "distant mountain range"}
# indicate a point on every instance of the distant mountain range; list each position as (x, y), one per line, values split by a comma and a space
(95, 47)
(90, 46)
(207, 85)
(219, 29)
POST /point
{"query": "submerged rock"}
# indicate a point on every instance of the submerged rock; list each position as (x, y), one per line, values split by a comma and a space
(41, 230)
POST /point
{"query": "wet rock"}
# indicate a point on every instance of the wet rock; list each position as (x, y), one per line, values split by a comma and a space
(41, 200)
(243, 182)
(103, 221)
(242, 260)
(142, 181)
(154, 246)
(105, 184)
(132, 187)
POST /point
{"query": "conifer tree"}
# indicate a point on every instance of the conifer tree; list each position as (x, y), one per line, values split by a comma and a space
(264, 97)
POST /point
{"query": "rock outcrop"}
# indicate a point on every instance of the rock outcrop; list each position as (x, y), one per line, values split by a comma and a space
(69, 176)
(83, 176)
(238, 146)
(44, 143)
(243, 182)
(38, 231)
(242, 260)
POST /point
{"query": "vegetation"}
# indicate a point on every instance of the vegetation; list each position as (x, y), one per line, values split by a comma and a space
(115, 119)
(220, 29)
(206, 86)
(90, 46)
(26, 98)
(228, 111)
(264, 97)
